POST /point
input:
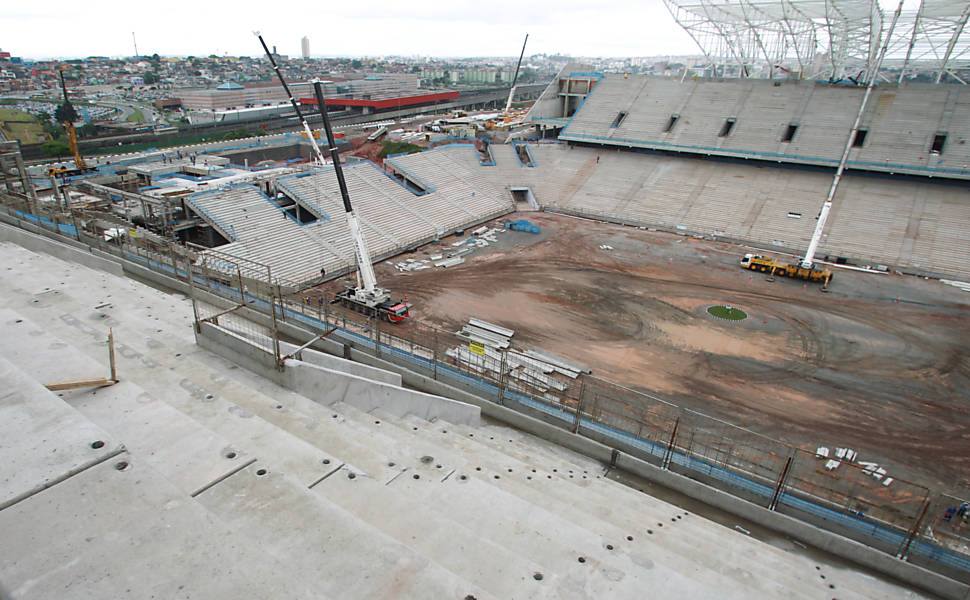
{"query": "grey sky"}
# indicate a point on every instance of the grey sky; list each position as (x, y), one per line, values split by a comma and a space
(60, 28)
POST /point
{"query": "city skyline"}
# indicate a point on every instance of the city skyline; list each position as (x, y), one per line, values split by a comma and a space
(612, 28)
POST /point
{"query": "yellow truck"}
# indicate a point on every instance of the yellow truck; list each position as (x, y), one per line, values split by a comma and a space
(766, 264)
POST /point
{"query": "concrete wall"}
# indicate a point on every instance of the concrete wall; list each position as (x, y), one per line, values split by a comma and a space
(38, 243)
(327, 386)
(335, 363)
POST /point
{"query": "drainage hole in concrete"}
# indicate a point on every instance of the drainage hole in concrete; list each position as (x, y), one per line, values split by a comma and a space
(555, 470)
(478, 468)
(831, 586)
(537, 576)
(609, 546)
(209, 396)
(416, 476)
(351, 475)
(121, 465)
(377, 422)
(496, 476)
(334, 416)
(178, 355)
(414, 428)
(660, 524)
(326, 461)
(528, 476)
(279, 406)
(97, 444)
(548, 476)
(444, 431)
(230, 455)
(822, 576)
(390, 464)
(427, 459)
(20, 320)
(629, 538)
(581, 559)
(261, 472)
(650, 531)
(510, 470)
(463, 477)
(471, 435)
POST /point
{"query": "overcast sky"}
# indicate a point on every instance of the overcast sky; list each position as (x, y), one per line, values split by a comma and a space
(62, 28)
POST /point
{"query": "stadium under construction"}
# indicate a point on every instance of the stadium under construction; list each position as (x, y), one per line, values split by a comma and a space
(602, 381)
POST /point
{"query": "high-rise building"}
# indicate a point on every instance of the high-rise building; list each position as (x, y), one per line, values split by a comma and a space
(305, 46)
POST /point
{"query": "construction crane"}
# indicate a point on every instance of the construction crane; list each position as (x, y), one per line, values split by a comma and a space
(806, 268)
(66, 116)
(515, 78)
(366, 297)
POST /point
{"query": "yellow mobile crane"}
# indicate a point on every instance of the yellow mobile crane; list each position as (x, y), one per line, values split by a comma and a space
(66, 116)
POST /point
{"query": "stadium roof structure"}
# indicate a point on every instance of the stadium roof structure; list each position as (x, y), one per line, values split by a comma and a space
(832, 39)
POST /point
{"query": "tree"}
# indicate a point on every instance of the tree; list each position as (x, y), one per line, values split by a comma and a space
(56, 148)
(87, 130)
(150, 78)
(356, 64)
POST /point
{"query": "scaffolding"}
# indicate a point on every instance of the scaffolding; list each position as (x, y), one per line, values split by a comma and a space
(836, 40)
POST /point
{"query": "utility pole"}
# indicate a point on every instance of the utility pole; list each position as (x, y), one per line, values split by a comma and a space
(135, 42)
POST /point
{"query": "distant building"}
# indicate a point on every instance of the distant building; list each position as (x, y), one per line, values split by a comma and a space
(305, 47)
(167, 103)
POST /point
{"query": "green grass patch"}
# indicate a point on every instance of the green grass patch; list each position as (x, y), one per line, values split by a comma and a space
(19, 125)
(136, 117)
(12, 114)
(389, 147)
(728, 313)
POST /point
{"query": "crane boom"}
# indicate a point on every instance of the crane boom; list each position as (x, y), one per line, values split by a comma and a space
(68, 116)
(508, 104)
(364, 266)
(823, 214)
(367, 297)
(293, 102)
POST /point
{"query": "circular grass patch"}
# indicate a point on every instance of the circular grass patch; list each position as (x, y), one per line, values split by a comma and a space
(728, 313)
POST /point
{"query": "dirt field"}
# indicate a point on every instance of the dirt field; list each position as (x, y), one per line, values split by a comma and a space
(880, 363)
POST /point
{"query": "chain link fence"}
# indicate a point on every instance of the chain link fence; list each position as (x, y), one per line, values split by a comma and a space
(901, 518)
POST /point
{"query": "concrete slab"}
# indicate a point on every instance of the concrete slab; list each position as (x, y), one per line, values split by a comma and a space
(326, 543)
(45, 441)
(110, 533)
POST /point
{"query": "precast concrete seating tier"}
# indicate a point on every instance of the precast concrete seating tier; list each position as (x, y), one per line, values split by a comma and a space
(690, 116)
(908, 223)
(393, 219)
(215, 482)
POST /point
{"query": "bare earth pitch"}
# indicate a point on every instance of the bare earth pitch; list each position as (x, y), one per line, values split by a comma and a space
(879, 364)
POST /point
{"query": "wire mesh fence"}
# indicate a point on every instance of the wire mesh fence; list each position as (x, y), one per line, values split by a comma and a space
(899, 517)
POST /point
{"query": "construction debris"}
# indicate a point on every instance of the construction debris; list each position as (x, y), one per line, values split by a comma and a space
(497, 329)
(849, 455)
(606, 247)
(490, 350)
